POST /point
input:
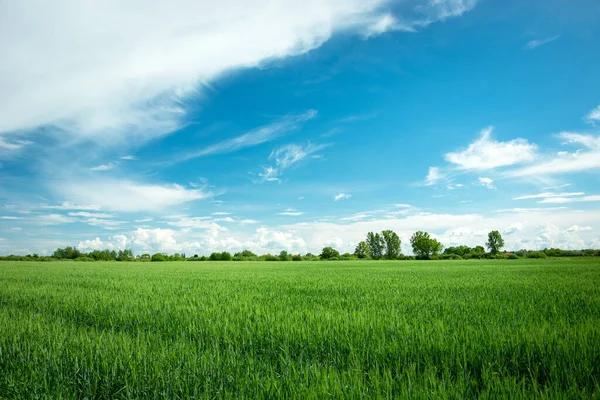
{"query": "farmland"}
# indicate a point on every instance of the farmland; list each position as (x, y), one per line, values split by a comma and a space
(458, 329)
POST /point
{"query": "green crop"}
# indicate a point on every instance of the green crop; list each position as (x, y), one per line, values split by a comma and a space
(356, 329)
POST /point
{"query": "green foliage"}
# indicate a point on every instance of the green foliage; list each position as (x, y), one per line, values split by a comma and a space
(424, 246)
(460, 330)
(284, 256)
(362, 250)
(376, 245)
(392, 244)
(329, 253)
(495, 242)
(536, 254)
(160, 257)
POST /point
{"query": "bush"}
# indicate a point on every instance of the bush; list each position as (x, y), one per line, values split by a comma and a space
(296, 257)
(513, 257)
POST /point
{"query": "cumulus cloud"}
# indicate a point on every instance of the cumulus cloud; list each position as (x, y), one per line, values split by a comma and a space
(486, 153)
(341, 196)
(487, 183)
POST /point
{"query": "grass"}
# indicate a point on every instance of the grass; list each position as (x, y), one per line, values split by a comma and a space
(464, 329)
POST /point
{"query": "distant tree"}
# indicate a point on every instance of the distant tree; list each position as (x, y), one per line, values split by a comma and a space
(245, 253)
(392, 244)
(424, 245)
(284, 256)
(215, 256)
(296, 257)
(376, 245)
(495, 242)
(459, 250)
(362, 250)
(329, 252)
(226, 256)
(159, 257)
(145, 257)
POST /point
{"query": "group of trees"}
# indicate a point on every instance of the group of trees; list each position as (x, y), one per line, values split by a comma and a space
(385, 245)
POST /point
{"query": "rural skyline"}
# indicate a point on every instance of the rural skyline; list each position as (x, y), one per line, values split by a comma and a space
(195, 127)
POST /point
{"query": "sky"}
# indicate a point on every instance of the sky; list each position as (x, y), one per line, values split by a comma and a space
(201, 126)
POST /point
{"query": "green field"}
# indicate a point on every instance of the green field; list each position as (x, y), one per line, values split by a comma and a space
(453, 329)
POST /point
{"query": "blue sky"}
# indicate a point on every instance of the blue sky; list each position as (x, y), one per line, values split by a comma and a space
(194, 127)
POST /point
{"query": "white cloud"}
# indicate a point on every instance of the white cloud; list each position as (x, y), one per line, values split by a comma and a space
(62, 67)
(142, 220)
(129, 158)
(255, 137)
(104, 223)
(285, 157)
(71, 206)
(594, 115)
(104, 167)
(566, 162)
(486, 153)
(487, 183)
(90, 215)
(577, 228)
(532, 44)
(221, 213)
(562, 200)
(341, 196)
(14, 145)
(513, 228)
(433, 176)
(129, 196)
(548, 195)
(292, 212)
(9, 217)
(248, 222)
(52, 219)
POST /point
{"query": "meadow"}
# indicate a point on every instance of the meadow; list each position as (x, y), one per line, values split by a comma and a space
(355, 329)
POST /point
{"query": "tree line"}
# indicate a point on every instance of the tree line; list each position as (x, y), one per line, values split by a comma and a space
(385, 245)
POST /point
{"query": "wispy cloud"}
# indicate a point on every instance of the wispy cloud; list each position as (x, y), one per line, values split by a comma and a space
(255, 137)
(532, 44)
(586, 159)
(433, 176)
(131, 196)
(593, 116)
(129, 158)
(292, 212)
(104, 167)
(547, 195)
(71, 206)
(285, 157)
(563, 200)
(14, 145)
(341, 196)
(90, 215)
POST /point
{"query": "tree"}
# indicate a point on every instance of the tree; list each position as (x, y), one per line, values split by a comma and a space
(376, 245)
(392, 244)
(284, 256)
(159, 257)
(495, 242)
(362, 250)
(424, 246)
(328, 253)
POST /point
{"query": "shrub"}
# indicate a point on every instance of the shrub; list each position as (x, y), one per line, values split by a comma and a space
(513, 257)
